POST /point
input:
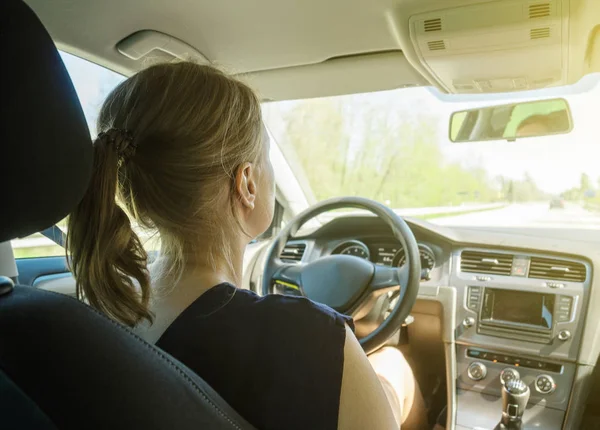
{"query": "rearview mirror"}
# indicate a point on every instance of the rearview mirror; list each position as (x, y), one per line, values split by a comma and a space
(511, 121)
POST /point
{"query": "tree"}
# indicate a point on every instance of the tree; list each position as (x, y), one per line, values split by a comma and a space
(585, 182)
(362, 149)
(584, 191)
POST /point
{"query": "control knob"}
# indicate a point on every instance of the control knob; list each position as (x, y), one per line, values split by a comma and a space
(477, 371)
(544, 384)
(564, 335)
(468, 322)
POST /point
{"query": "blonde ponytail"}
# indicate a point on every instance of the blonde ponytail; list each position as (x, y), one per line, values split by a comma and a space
(105, 252)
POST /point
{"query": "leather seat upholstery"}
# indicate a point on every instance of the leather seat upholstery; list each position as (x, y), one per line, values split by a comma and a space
(62, 364)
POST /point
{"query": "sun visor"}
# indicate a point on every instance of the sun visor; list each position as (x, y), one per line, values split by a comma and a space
(338, 76)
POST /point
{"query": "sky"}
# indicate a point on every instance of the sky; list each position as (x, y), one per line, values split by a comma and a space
(554, 162)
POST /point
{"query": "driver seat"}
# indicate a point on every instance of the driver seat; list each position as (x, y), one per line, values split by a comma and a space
(62, 364)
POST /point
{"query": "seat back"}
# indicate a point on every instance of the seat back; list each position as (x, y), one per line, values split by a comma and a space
(62, 364)
(87, 372)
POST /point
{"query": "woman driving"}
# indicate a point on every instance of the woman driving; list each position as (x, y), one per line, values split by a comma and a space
(183, 151)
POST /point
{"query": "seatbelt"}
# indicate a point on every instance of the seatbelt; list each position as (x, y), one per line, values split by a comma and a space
(56, 235)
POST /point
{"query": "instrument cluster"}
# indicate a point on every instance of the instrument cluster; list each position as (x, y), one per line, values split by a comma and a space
(385, 253)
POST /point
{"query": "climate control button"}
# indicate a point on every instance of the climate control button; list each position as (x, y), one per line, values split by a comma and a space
(545, 384)
(509, 374)
(477, 371)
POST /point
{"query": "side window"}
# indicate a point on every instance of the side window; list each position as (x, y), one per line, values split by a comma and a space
(92, 83)
(38, 245)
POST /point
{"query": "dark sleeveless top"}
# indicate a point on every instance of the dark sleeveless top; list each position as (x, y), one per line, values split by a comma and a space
(277, 360)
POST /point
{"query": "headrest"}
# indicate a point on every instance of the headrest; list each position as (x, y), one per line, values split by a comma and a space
(45, 145)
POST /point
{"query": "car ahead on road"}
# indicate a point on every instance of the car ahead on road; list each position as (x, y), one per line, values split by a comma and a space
(461, 113)
(557, 203)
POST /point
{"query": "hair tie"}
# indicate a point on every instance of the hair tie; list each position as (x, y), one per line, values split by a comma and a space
(120, 140)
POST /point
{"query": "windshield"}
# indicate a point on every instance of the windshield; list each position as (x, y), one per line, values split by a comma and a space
(394, 147)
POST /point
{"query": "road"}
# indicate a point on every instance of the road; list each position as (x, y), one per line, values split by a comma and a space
(527, 215)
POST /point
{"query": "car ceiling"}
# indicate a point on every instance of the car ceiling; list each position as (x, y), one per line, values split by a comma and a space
(322, 47)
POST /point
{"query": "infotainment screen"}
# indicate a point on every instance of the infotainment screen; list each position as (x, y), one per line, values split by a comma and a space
(518, 307)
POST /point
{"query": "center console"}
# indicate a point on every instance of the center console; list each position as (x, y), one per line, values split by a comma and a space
(519, 317)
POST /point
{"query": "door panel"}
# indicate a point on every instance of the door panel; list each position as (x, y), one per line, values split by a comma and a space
(30, 269)
(63, 283)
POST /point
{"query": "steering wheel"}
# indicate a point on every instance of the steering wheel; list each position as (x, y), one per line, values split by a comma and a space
(350, 284)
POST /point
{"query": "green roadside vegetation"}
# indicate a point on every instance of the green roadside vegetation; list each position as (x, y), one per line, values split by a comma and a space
(39, 251)
(587, 193)
(362, 149)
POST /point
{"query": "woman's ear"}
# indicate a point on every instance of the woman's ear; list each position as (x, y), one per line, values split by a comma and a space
(245, 185)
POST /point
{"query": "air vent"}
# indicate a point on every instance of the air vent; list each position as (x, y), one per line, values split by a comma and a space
(432, 25)
(539, 10)
(539, 33)
(486, 262)
(293, 252)
(436, 45)
(559, 270)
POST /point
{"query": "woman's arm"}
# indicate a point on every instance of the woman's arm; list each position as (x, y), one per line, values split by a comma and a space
(363, 402)
(400, 387)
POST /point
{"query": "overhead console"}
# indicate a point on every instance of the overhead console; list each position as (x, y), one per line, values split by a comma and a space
(497, 46)
(519, 316)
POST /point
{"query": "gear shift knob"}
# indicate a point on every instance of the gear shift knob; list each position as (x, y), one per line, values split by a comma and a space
(515, 395)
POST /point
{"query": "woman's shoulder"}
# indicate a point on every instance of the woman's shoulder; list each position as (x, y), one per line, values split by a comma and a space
(293, 309)
(225, 305)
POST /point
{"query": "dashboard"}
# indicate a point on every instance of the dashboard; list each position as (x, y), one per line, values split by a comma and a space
(510, 303)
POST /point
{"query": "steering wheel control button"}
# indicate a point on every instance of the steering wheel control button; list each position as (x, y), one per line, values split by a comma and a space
(468, 322)
(286, 288)
(544, 384)
(477, 371)
(564, 335)
(509, 374)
